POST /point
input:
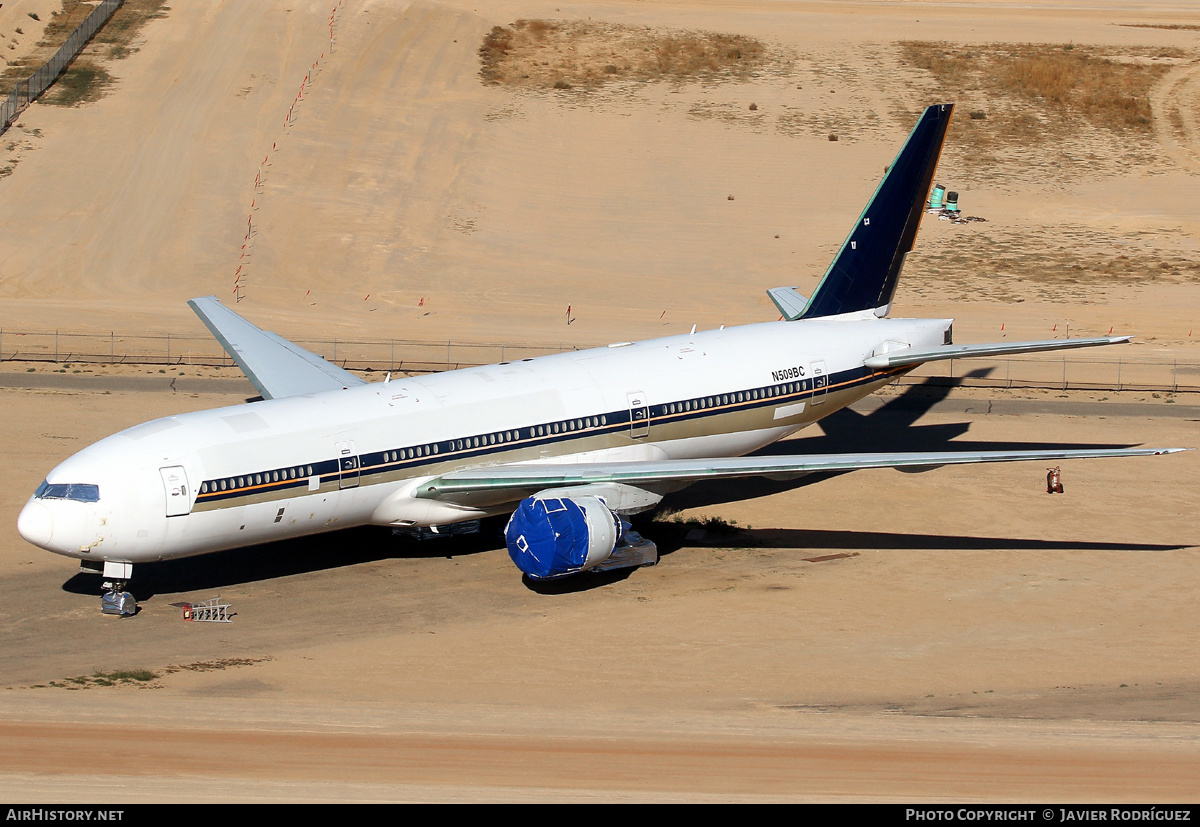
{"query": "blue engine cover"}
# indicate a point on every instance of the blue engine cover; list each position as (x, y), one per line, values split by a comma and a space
(550, 538)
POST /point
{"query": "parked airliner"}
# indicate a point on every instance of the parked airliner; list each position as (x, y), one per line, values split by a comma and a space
(568, 444)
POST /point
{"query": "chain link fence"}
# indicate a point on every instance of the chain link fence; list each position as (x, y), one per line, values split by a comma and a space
(1101, 369)
(30, 89)
(1074, 372)
(396, 355)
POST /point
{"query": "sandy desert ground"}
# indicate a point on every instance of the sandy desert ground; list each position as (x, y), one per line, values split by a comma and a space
(946, 636)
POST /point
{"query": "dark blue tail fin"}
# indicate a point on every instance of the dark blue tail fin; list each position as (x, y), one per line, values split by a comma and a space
(864, 274)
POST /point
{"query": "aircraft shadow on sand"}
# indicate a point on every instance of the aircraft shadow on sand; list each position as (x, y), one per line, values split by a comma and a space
(302, 555)
(893, 427)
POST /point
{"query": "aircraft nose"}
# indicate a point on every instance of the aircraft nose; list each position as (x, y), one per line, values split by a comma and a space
(36, 524)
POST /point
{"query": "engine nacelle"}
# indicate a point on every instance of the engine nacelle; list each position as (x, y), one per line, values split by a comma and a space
(558, 536)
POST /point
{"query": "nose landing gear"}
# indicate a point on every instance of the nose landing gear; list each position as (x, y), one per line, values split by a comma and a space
(115, 600)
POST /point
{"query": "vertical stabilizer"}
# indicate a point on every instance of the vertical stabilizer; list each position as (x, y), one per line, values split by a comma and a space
(863, 275)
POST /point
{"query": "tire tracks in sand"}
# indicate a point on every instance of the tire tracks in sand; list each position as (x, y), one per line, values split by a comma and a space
(1175, 103)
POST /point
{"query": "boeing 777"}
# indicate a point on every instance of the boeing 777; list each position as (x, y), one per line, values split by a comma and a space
(568, 444)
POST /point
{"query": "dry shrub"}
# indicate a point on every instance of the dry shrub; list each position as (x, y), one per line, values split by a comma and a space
(538, 28)
(58, 27)
(1187, 27)
(496, 45)
(1104, 92)
(1054, 85)
(546, 54)
(1053, 111)
(64, 21)
(688, 54)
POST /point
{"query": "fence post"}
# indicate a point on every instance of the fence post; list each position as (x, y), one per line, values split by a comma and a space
(56, 345)
(1118, 373)
(111, 345)
(1064, 373)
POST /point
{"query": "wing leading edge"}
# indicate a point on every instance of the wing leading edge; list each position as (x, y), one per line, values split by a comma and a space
(528, 478)
(275, 366)
(913, 356)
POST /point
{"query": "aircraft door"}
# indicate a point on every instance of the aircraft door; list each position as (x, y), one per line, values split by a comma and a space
(348, 464)
(820, 382)
(639, 415)
(175, 485)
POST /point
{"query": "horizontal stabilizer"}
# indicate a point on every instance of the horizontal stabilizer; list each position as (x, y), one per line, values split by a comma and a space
(275, 366)
(790, 303)
(536, 476)
(911, 356)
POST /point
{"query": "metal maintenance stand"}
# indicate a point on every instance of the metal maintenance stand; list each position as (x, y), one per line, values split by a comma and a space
(210, 611)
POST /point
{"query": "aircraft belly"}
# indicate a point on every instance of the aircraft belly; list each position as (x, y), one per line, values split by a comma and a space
(723, 445)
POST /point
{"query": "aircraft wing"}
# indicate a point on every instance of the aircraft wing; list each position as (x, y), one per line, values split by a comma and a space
(275, 366)
(913, 356)
(532, 477)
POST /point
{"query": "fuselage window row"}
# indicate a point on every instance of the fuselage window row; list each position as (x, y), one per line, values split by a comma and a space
(752, 395)
(235, 483)
(507, 437)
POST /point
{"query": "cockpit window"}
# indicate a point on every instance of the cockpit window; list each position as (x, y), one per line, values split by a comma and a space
(83, 492)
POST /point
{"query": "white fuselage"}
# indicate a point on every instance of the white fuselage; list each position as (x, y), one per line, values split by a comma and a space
(240, 475)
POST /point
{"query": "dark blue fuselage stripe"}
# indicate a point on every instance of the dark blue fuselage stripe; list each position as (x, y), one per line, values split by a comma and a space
(375, 463)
